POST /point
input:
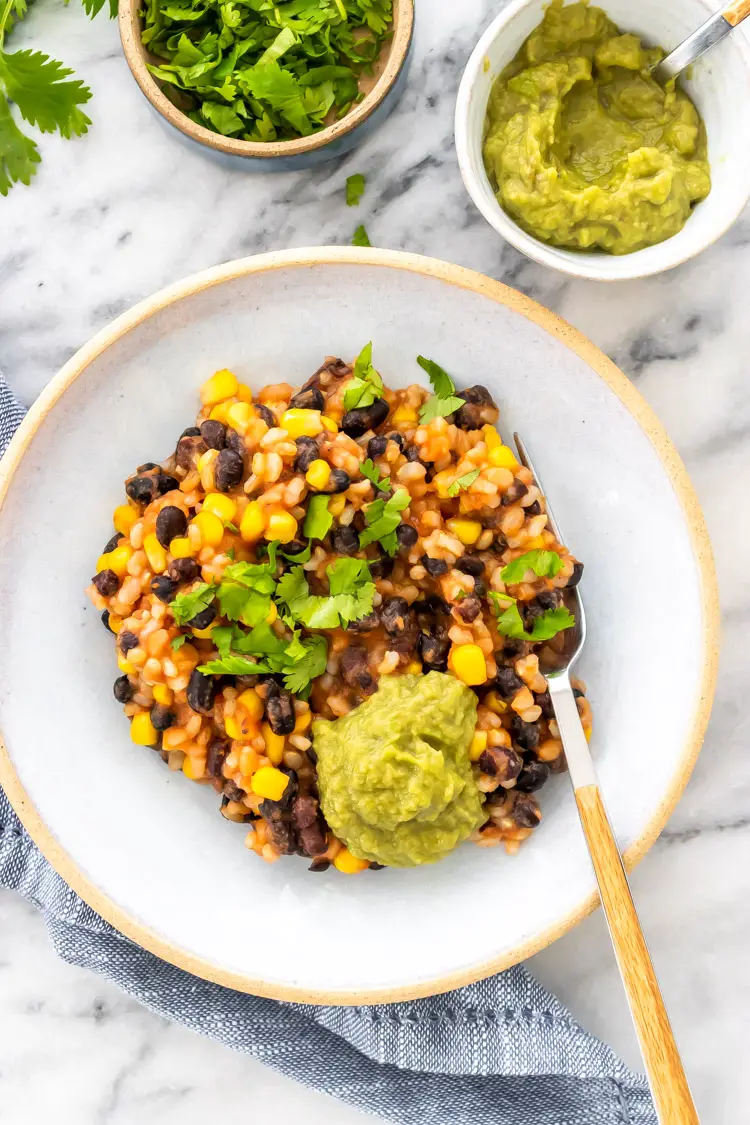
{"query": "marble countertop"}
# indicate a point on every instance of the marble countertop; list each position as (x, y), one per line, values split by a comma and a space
(127, 209)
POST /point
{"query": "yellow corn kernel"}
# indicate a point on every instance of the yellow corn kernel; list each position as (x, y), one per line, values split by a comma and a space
(348, 864)
(274, 744)
(219, 412)
(205, 467)
(478, 745)
(194, 768)
(102, 563)
(181, 548)
(155, 553)
(233, 728)
(329, 424)
(407, 414)
(239, 416)
(210, 527)
(301, 423)
(468, 664)
(269, 783)
(142, 730)
(244, 394)
(466, 531)
(491, 437)
(501, 457)
(536, 542)
(222, 385)
(318, 475)
(116, 560)
(443, 482)
(495, 703)
(272, 615)
(115, 623)
(337, 504)
(163, 694)
(414, 668)
(252, 703)
(253, 522)
(124, 518)
(124, 665)
(281, 526)
(303, 722)
(222, 506)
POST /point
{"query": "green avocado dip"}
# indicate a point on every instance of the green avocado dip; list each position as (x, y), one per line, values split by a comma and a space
(583, 147)
(394, 774)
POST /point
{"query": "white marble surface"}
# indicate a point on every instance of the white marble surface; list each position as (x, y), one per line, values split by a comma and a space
(127, 209)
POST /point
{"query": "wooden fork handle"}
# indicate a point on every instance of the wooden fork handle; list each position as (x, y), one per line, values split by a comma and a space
(672, 1097)
(736, 12)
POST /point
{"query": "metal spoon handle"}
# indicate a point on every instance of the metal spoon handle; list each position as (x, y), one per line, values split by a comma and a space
(666, 1075)
(708, 35)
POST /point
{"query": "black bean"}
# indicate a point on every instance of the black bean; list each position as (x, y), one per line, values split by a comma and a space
(106, 582)
(280, 712)
(319, 865)
(477, 394)
(233, 792)
(183, 570)
(282, 835)
(165, 482)
(407, 536)
(214, 433)
(376, 446)
(339, 481)
(333, 368)
(497, 761)
(526, 811)
(534, 509)
(141, 489)
(480, 588)
(469, 608)
(345, 541)
(411, 453)
(431, 603)
(394, 614)
(147, 466)
(364, 624)
(235, 442)
(313, 840)
(296, 547)
(515, 493)
(470, 564)
(308, 399)
(228, 470)
(532, 776)
(353, 665)
(506, 683)
(190, 431)
(123, 689)
(576, 576)
(578, 694)
(307, 820)
(267, 415)
(105, 620)
(307, 452)
(164, 588)
(161, 717)
(201, 692)
(525, 734)
(549, 599)
(435, 567)
(112, 543)
(376, 866)
(218, 748)
(126, 640)
(171, 523)
(543, 699)
(398, 438)
(203, 619)
(381, 566)
(189, 449)
(357, 422)
(434, 648)
(513, 647)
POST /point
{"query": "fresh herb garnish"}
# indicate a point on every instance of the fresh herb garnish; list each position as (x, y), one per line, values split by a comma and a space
(185, 606)
(383, 517)
(307, 660)
(178, 642)
(444, 401)
(351, 593)
(245, 590)
(510, 624)
(461, 483)
(232, 527)
(545, 564)
(371, 471)
(318, 521)
(366, 385)
(235, 666)
(297, 660)
(361, 237)
(355, 189)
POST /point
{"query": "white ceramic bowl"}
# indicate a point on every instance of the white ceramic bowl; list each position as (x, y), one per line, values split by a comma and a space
(147, 848)
(719, 86)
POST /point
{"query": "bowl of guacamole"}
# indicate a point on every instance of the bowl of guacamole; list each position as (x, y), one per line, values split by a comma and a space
(577, 155)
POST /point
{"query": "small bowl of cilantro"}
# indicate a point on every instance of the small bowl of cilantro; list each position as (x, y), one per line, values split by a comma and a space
(279, 87)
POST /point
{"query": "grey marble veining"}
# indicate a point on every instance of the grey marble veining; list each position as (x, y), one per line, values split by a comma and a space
(130, 208)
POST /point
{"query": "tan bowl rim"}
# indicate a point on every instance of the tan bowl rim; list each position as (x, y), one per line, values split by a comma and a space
(403, 26)
(611, 375)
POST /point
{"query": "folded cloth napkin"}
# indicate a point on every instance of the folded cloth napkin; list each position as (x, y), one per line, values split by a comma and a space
(500, 1052)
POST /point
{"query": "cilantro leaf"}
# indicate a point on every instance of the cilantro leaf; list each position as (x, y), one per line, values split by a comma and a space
(234, 666)
(371, 471)
(366, 385)
(305, 666)
(361, 237)
(178, 642)
(545, 564)
(510, 624)
(444, 401)
(301, 556)
(461, 483)
(35, 82)
(383, 517)
(186, 606)
(352, 591)
(440, 407)
(280, 89)
(355, 189)
(318, 521)
(19, 156)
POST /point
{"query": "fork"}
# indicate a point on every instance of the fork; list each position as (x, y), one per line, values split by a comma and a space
(666, 1075)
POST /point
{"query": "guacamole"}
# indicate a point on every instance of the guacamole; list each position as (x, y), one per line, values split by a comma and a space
(394, 774)
(583, 147)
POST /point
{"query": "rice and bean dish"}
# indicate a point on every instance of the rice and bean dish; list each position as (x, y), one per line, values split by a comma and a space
(307, 557)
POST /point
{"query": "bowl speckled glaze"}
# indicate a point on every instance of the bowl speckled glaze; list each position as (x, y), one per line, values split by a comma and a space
(719, 84)
(148, 849)
(283, 156)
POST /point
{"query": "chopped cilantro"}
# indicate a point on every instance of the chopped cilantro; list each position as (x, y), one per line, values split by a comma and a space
(383, 517)
(301, 556)
(361, 237)
(355, 189)
(245, 590)
(318, 521)
(545, 564)
(444, 401)
(510, 624)
(351, 593)
(371, 471)
(185, 606)
(366, 385)
(463, 482)
(178, 642)
(232, 527)
(308, 660)
(234, 666)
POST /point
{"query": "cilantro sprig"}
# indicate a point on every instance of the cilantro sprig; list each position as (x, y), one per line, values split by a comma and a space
(186, 606)
(263, 652)
(545, 564)
(366, 384)
(460, 484)
(318, 521)
(383, 517)
(351, 591)
(444, 401)
(371, 471)
(546, 626)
